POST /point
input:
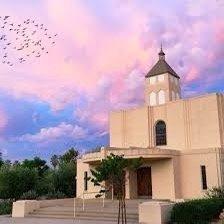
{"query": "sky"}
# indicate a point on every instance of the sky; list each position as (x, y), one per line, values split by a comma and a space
(102, 53)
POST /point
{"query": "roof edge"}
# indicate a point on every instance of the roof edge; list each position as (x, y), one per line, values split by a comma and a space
(147, 76)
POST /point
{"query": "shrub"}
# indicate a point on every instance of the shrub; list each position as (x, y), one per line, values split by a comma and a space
(5, 207)
(215, 192)
(29, 195)
(200, 211)
(55, 195)
(15, 180)
(45, 184)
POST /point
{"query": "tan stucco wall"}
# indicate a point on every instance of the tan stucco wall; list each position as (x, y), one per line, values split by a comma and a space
(167, 85)
(190, 173)
(155, 212)
(221, 117)
(195, 129)
(131, 185)
(135, 123)
(162, 179)
(191, 124)
(92, 190)
(175, 178)
(23, 208)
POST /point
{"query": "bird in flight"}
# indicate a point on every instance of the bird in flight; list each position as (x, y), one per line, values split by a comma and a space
(23, 40)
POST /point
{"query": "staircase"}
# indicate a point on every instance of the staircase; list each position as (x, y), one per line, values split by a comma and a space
(94, 211)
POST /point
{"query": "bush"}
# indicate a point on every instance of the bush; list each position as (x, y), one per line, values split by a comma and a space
(16, 180)
(215, 192)
(55, 195)
(200, 211)
(5, 207)
(29, 195)
(45, 184)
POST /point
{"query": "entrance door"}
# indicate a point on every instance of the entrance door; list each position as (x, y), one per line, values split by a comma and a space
(144, 182)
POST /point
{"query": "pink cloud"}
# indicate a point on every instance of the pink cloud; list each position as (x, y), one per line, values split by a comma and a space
(109, 95)
(88, 50)
(103, 51)
(192, 74)
(53, 133)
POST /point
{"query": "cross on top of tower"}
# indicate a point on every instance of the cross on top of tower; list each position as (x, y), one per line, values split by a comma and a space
(161, 67)
(161, 53)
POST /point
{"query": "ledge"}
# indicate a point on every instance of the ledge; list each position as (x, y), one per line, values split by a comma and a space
(130, 153)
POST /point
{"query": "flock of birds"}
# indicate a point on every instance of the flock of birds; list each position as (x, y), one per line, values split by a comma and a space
(20, 42)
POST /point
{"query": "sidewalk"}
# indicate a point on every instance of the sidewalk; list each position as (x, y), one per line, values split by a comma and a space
(8, 220)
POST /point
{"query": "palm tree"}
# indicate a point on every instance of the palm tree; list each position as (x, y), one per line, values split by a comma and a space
(54, 161)
(69, 156)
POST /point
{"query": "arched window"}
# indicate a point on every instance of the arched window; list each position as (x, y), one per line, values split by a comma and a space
(160, 129)
(152, 80)
(161, 95)
(152, 99)
(161, 78)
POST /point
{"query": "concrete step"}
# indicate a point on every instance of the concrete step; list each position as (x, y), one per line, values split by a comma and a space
(51, 216)
(93, 211)
(92, 214)
(83, 213)
(99, 218)
(80, 210)
(57, 208)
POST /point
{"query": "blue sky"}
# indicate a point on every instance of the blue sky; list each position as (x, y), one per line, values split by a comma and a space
(102, 52)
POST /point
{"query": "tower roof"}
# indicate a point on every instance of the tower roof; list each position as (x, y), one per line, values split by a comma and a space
(161, 67)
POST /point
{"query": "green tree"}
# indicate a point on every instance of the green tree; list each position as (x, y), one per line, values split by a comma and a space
(55, 161)
(16, 180)
(111, 170)
(1, 160)
(8, 162)
(16, 163)
(64, 179)
(69, 156)
(36, 163)
(45, 184)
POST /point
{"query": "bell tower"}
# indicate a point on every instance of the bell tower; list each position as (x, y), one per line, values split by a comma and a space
(162, 84)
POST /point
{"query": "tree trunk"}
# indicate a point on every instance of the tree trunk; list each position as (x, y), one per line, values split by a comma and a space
(124, 204)
(119, 211)
(122, 208)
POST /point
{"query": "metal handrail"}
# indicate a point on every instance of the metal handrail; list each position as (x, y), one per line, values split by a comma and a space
(83, 200)
(92, 192)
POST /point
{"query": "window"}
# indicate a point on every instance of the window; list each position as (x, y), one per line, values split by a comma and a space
(160, 78)
(204, 178)
(160, 133)
(85, 181)
(152, 99)
(161, 95)
(152, 80)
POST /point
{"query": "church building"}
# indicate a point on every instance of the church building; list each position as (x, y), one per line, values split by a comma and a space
(180, 140)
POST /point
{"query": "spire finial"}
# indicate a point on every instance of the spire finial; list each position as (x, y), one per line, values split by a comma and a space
(161, 53)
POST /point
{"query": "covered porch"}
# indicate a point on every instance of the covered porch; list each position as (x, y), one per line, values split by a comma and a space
(157, 178)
